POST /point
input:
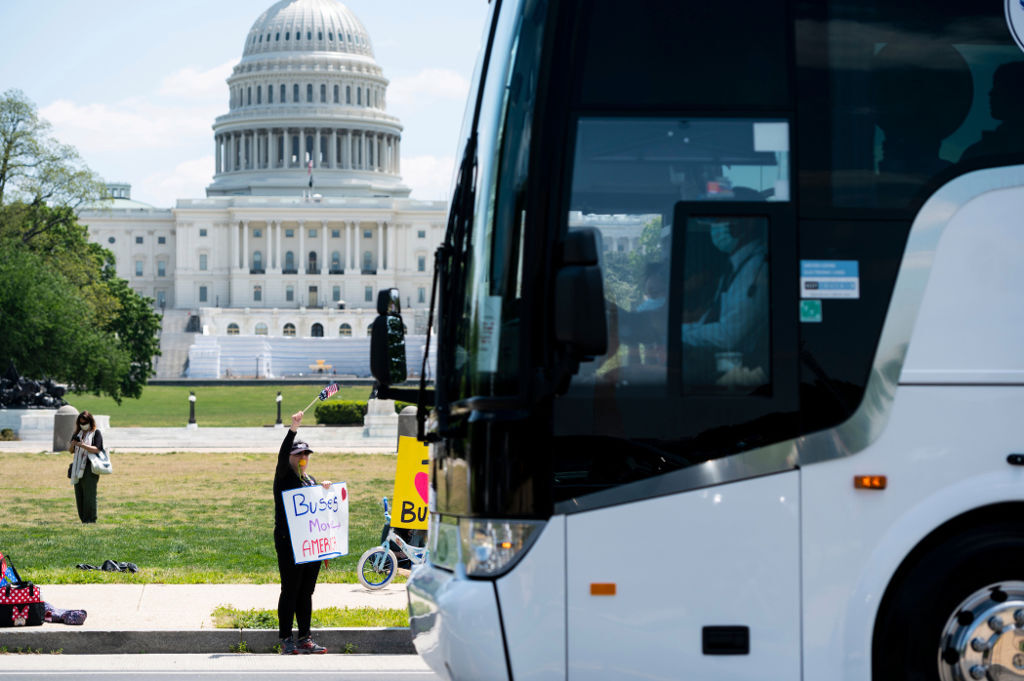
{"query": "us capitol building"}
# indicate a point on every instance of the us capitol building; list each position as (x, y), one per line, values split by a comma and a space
(277, 270)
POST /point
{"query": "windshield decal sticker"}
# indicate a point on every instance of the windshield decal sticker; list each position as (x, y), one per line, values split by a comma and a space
(810, 311)
(829, 279)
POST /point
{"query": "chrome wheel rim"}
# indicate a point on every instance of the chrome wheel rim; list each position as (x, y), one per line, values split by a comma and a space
(984, 636)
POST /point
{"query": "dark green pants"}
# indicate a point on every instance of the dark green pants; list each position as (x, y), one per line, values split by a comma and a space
(85, 495)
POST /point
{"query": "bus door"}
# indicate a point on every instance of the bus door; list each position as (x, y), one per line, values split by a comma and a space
(682, 508)
(701, 585)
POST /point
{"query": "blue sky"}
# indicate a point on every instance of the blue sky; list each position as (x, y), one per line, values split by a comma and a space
(135, 86)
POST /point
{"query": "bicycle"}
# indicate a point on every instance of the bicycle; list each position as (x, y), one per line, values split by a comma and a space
(378, 565)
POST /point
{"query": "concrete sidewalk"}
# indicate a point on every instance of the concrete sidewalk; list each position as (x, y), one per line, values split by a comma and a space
(176, 618)
(267, 439)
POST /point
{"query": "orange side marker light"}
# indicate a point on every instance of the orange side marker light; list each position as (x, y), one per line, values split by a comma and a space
(602, 588)
(869, 481)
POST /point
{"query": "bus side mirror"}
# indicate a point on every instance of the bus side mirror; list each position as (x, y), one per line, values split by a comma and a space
(579, 295)
(387, 340)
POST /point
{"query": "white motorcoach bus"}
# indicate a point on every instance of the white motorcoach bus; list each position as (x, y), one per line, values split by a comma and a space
(730, 338)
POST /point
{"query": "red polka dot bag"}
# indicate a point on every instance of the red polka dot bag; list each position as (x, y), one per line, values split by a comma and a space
(21, 604)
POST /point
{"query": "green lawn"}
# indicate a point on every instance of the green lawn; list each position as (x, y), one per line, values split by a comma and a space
(183, 517)
(222, 405)
(227, 617)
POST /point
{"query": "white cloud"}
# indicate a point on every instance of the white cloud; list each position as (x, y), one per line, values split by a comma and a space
(188, 180)
(429, 84)
(193, 84)
(429, 176)
(133, 124)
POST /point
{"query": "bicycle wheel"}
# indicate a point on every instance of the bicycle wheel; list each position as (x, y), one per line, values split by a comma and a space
(376, 568)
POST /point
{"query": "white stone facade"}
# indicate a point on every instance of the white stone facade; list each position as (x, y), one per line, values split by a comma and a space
(264, 250)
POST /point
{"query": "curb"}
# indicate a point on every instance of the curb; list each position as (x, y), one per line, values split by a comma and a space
(373, 641)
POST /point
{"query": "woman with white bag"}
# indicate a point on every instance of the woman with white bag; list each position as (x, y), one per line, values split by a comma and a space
(86, 440)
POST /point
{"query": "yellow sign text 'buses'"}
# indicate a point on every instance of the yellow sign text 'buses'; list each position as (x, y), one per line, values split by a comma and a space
(412, 485)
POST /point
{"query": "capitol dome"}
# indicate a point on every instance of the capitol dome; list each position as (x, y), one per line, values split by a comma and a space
(307, 104)
(311, 25)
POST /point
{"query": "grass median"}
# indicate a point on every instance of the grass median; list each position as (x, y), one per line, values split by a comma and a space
(183, 517)
(165, 406)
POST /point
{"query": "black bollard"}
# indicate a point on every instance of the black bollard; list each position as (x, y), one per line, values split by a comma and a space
(278, 422)
(191, 409)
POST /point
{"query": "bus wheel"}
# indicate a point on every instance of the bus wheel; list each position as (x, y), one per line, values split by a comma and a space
(957, 610)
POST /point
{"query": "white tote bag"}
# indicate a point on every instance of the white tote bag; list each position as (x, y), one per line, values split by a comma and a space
(101, 462)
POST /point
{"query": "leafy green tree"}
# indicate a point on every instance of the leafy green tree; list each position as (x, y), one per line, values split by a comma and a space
(36, 168)
(63, 311)
(624, 272)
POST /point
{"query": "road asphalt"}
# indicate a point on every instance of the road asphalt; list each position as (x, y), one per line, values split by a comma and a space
(176, 618)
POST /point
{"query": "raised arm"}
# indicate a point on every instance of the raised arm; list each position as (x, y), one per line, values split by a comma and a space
(289, 438)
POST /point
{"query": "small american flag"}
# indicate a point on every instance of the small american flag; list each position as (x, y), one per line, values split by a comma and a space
(328, 391)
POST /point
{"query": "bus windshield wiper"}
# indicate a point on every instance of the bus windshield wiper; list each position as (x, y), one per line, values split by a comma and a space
(450, 264)
(450, 278)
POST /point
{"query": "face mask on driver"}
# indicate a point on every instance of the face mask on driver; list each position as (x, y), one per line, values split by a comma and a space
(722, 238)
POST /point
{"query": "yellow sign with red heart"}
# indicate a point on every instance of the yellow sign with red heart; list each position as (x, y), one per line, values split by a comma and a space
(409, 507)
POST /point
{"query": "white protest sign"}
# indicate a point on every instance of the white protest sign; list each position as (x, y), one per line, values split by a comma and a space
(317, 521)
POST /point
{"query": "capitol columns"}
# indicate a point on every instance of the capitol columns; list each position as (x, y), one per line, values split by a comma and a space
(392, 246)
(316, 148)
(350, 228)
(232, 247)
(324, 263)
(332, 148)
(380, 247)
(245, 246)
(278, 258)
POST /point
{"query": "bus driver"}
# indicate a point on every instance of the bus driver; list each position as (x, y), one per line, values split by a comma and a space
(729, 343)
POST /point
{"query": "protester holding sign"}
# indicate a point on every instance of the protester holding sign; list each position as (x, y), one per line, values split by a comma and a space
(86, 440)
(297, 580)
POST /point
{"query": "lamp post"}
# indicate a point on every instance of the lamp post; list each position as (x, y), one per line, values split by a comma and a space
(278, 424)
(192, 410)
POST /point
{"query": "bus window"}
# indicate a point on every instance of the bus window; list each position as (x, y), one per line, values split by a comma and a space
(686, 209)
(628, 175)
(887, 151)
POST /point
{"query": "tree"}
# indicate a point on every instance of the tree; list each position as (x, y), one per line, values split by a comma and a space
(63, 311)
(624, 271)
(34, 167)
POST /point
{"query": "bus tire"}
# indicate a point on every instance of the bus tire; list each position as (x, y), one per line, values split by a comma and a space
(950, 604)
(376, 569)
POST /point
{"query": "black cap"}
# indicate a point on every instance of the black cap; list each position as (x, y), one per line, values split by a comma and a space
(298, 447)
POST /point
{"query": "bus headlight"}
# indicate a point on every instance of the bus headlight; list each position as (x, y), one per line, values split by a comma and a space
(478, 547)
(491, 547)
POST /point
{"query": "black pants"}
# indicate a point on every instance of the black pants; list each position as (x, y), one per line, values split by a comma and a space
(297, 584)
(85, 495)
